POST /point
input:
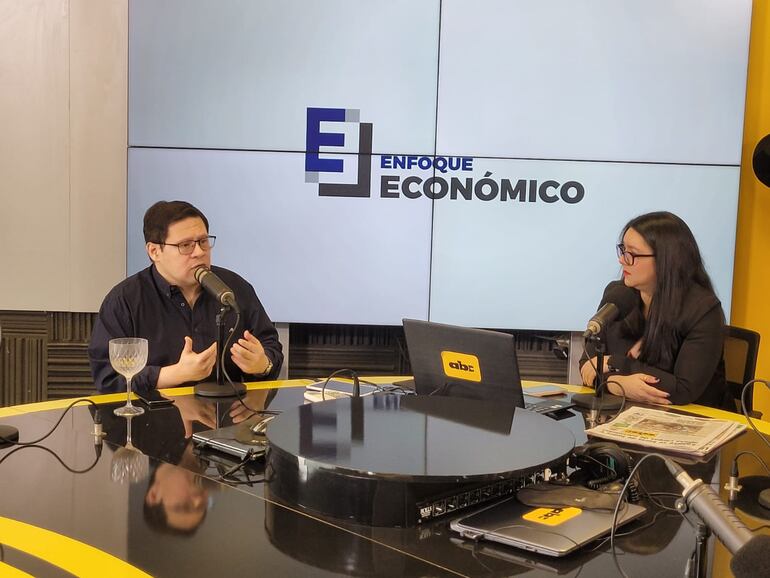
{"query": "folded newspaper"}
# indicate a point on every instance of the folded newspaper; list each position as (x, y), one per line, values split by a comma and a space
(668, 431)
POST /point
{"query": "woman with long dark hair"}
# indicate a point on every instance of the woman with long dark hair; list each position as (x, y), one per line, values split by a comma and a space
(669, 348)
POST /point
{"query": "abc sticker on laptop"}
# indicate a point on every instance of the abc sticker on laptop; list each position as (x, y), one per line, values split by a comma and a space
(461, 365)
(552, 516)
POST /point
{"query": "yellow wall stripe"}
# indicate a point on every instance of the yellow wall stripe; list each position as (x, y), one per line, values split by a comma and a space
(751, 278)
(66, 553)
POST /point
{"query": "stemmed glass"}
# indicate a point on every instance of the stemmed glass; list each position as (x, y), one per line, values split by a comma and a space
(129, 464)
(128, 356)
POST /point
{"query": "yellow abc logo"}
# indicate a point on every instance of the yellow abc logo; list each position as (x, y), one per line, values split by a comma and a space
(552, 516)
(461, 365)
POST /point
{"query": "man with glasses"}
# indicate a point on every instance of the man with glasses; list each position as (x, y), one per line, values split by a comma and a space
(165, 304)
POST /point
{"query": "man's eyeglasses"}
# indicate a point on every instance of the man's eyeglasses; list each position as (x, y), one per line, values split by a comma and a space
(627, 256)
(187, 247)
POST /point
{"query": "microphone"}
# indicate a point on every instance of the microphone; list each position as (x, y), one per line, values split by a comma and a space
(712, 510)
(753, 559)
(620, 300)
(751, 554)
(215, 286)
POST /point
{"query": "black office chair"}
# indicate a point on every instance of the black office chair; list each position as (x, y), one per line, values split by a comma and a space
(740, 352)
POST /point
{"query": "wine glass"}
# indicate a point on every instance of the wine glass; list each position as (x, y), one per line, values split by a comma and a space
(128, 356)
(129, 464)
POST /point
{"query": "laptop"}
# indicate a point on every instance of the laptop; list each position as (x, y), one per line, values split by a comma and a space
(239, 441)
(472, 363)
(547, 531)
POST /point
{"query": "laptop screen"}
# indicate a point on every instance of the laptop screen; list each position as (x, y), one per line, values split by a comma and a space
(463, 362)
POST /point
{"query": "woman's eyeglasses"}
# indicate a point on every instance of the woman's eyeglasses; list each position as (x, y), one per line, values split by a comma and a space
(628, 257)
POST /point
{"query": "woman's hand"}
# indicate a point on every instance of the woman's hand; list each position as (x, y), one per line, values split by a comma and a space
(638, 387)
(588, 372)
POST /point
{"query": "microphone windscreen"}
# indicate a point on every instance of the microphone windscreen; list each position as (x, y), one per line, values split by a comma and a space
(753, 559)
(198, 273)
(624, 298)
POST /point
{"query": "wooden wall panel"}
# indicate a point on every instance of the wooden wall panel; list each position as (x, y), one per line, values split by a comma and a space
(69, 327)
(69, 374)
(98, 141)
(24, 358)
(34, 152)
(63, 113)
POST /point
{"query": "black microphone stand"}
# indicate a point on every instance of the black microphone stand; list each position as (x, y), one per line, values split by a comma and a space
(699, 557)
(599, 399)
(218, 388)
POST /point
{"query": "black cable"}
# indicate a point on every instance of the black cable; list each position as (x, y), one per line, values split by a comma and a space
(605, 382)
(246, 482)
(96, 419)
(227, 475)
(579, 572)
(227, 375)
(394, 389)
(379, 388)
(653, 498)
(224, 350)
(224, 474)
(631, 474)
(498, 529)
(749, 452)
(612, 471)
(644, 526)
(54, 454)
(622, 389)
(232, 470)
(475, 553)
(622, 394)
(669, 494)
(353, 375)
(609, 380)
(745, 411)
(617, 509)
(440, 389)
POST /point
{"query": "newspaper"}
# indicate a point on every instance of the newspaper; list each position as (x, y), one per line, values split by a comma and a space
(668, 431)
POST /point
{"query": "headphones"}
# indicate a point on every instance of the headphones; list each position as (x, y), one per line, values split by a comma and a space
(599, 463)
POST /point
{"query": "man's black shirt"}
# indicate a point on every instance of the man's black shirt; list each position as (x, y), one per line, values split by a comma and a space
(145, 305)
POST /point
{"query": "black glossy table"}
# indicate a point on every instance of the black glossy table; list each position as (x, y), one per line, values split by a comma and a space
(399, 460)
(165, 509)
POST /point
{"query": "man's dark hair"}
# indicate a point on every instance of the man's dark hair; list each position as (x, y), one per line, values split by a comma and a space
(163, 214)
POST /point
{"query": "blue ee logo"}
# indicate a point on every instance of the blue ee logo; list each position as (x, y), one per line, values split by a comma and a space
(315, 139)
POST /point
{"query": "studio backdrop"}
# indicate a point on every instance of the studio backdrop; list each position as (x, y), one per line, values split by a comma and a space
(464, 161)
